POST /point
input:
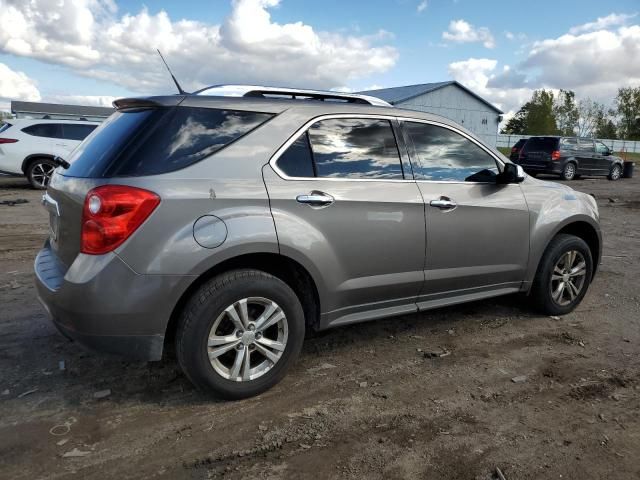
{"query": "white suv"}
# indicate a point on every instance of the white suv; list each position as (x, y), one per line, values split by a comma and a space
(30, 147)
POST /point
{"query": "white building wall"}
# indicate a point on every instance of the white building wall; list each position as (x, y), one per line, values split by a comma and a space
(456, 104)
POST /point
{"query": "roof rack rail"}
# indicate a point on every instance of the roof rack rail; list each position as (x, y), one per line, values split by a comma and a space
(294, 93)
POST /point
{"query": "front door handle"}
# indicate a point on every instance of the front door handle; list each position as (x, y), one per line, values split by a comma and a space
(443, 203)
(315, 199)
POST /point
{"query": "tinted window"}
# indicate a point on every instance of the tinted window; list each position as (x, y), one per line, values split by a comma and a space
(445, 155)
(569, 143)
(355, 148)
(4, 126)
(586, 144)
(50, 130)
(73, 131)
(153, 141)
(601, 148)
(297, 161)
(541, 144)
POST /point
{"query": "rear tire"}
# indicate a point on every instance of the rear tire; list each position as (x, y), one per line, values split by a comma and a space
(226, 315)
(563, 275)
(569, 171)
(39, 173)
(615, 173)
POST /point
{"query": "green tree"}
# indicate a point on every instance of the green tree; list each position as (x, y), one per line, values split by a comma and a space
(628, 109)
(536, 117)
(565, 111)
(540, 117)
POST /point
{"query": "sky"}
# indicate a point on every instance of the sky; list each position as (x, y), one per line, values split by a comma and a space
(93, 51)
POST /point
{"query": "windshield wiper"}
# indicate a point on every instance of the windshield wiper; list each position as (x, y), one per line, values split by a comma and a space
(61, 162)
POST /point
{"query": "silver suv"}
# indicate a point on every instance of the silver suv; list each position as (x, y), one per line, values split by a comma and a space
(232, 224)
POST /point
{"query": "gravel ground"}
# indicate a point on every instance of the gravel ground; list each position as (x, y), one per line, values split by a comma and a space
(365, 401)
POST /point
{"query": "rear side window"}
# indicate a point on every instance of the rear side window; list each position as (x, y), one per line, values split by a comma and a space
(72, 131)
(49, 130)
(297, 160)
(569, 143)
(355, 148)
(541, 144)
(586, 145)
(160, 140)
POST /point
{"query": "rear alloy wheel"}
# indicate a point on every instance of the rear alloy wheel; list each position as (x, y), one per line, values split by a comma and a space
(239, 333)
(39, 173)
(616, 172)
(563, 275)
(569, 171)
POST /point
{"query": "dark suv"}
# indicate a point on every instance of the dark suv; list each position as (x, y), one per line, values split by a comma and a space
(569, 157)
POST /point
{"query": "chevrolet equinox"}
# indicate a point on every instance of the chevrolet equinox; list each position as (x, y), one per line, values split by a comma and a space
(232, 220)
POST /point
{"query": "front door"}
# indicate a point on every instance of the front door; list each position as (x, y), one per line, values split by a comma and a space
(477, 230)
(344, 209)
(602, 160)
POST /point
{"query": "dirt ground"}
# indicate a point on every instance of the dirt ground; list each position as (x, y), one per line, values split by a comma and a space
(362, 402)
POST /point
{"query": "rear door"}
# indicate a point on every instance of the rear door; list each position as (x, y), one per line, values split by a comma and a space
(43, 136)
(586, 156)
(477, 230)
(346, 207)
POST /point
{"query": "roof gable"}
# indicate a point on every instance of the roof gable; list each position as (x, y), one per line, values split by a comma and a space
(395, 95)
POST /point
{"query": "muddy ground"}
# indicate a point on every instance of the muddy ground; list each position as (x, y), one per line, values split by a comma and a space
(362, 402)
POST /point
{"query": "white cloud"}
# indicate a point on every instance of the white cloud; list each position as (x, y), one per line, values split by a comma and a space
(17, 85)
(461, 31)
(603, 23)
(88, 37)
(422, 6)
(515, 36)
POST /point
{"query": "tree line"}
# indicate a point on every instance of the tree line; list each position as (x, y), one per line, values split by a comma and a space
(562, 114)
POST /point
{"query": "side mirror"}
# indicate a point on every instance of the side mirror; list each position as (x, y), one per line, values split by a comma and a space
(511, 173)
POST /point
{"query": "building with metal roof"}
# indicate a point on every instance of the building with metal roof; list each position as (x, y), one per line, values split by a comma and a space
(57, 111)
(448, 99)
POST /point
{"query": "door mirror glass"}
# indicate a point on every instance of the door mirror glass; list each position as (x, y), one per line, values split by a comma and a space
(511, 173)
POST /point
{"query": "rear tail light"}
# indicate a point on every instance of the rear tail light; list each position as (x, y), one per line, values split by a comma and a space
(8, 140)
(111, 214)
(514, 149)
(555, 155)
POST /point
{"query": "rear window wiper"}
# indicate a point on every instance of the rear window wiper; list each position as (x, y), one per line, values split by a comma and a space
(61, 162)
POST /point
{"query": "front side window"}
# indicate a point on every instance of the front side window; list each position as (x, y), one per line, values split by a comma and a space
(444, 155)
(48, 130)
(601, 148)
(360, 148)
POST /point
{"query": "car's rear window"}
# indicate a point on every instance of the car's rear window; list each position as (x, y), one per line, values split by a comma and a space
(541, 144)
(158, 140)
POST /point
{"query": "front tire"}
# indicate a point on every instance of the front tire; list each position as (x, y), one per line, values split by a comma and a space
(39, 173)
(563, 275)
(239, 333)
(569, 171)
(615, 173)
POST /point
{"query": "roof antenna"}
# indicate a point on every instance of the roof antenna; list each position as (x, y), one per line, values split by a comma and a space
(180, 90)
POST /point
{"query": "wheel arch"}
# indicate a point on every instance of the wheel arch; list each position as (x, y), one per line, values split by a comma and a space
(34, 156)
(285, 268)
(583, 229)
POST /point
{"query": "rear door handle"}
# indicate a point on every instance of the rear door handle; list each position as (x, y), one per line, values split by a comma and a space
(315, 199)
(443, 203)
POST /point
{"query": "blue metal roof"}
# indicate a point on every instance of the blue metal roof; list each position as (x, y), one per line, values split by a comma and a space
(395, 95)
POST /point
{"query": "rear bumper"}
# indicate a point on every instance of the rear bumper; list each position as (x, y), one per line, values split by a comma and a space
(103, 304)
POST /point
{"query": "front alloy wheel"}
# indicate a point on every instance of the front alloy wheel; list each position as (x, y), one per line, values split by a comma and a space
(616, 172)
(568, 277)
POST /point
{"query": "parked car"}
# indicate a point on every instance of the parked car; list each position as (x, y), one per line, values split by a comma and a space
(515, 150)
(231, 225)
(28, 147)
(569, 157)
